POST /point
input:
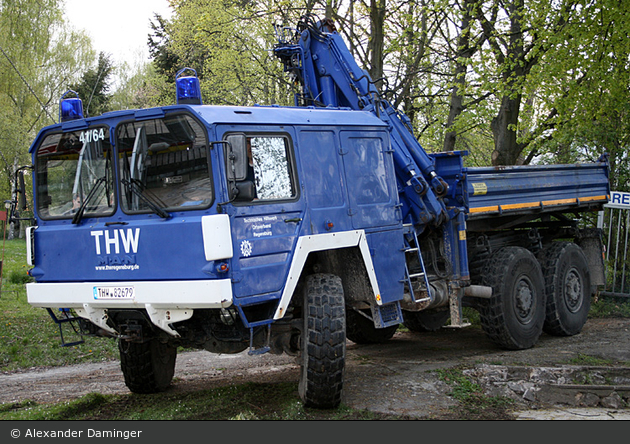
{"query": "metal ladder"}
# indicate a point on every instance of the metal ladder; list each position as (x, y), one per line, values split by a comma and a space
(422, 274)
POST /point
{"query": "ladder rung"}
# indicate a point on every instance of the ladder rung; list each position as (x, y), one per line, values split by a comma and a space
(421, 275)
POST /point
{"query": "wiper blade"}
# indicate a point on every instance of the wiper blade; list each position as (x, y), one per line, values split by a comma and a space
(133, 187)
(79, 214)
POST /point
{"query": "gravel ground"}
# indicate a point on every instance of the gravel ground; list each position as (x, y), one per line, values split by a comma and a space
(394, 377)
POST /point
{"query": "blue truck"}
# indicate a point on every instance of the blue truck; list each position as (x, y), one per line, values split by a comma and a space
(294, 229)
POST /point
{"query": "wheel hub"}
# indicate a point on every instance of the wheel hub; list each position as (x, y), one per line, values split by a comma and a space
(524, 300)
(573, 290)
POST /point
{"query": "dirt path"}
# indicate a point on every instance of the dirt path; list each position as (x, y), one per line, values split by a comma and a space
(390, 378)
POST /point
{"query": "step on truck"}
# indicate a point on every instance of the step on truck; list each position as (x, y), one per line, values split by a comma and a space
(294, 229)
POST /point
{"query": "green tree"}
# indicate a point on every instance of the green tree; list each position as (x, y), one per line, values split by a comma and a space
(548, 78)
(586, 95)
(39, 55)
(94, 87)
(165, 60)
(228, 44)
(136, 86)
(510, 81)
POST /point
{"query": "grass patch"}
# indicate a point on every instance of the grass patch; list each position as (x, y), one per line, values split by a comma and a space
(474, 403)
(593, 361)
(610, 307)
(28, 335)
(471, 315)
(250, 401)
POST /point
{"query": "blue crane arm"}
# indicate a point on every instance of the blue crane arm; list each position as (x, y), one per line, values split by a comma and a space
(319, 61)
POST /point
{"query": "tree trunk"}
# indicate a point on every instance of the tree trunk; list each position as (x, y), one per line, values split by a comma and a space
(464, 52)
(376, 40)
(506, 149)
(329, 9)
(417, 51)
(514, 68)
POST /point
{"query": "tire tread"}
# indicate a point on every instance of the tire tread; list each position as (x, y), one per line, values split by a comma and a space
(325, 342)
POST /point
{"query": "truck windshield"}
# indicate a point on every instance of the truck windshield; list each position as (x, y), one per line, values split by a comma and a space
(74, 172)
(163, 165)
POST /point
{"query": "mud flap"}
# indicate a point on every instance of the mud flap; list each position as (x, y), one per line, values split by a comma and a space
(387, 315)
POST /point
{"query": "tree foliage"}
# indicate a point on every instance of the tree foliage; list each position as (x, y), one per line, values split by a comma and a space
(509, 81)
(586, 92)
(228, 44)
(94, 86)
(39, 56)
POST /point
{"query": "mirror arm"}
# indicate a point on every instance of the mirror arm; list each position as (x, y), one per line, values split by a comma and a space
(231, 183)
(19, 201)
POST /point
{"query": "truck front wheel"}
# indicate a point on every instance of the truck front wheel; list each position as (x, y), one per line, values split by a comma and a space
(148, 367)
(568, 288)
(513, 317)
(323, 347)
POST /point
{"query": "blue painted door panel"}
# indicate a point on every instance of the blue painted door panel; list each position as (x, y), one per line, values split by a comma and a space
(369, 171)
(263, 244)
(265, 231)
(322, 172)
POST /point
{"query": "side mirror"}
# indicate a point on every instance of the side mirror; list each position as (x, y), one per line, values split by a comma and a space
(246, 191)
(236, 157)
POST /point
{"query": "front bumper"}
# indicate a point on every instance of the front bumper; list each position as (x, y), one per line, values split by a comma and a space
(166, 302)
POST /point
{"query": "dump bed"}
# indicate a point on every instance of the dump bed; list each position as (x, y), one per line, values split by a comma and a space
(514, 190)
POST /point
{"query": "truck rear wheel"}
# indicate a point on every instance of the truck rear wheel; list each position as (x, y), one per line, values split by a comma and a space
(149, 366)
(426, 320)
(513, 317)
(323, 353)
(568, 288)
(361, 330)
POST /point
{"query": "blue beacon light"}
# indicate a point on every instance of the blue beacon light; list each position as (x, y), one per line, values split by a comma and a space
(188, 89)
(70, 108)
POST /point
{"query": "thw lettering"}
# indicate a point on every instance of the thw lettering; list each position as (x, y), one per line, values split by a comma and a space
(112, 240)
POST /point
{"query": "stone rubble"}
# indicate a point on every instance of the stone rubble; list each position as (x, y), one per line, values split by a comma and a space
(573, 386)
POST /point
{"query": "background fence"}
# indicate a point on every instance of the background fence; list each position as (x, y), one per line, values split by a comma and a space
(614, 221)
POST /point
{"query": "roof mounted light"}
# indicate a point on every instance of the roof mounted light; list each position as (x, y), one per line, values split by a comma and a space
(188, 89)
(70, 108)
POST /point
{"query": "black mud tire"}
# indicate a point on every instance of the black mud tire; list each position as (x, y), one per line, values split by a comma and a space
(426, 320)
(361, 330)
(568, 288)
(323, 350)
(513, 317)
(148, 367)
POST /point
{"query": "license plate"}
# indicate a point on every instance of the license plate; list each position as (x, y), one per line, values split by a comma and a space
(114, 293)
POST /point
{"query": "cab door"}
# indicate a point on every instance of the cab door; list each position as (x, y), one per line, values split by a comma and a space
(370, 175)
(266, 222)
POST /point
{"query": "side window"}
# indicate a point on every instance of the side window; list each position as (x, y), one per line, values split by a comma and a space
(269, 168)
